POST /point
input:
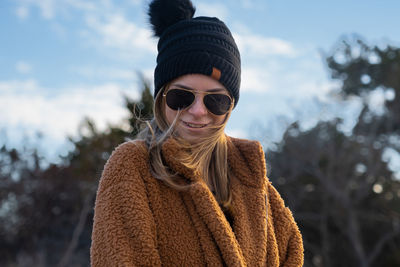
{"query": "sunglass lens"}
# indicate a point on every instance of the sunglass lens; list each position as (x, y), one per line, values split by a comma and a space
(179, 99)
(218, 104)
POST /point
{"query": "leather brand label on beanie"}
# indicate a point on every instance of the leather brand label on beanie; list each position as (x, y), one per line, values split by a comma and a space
(216, 73)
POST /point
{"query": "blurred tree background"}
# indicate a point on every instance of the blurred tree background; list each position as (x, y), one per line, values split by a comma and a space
(339, 184)
(46, 212)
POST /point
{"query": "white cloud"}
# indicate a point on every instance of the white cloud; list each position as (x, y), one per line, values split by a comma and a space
(59, 30)
(256, 79)
(23, 67)
(18, 87)
(135, 2)
(286, 75)
(25, 104)
(116, 31)
(22, 12)
(238, 133)
(279, 77)
(46, 7)
(248, 3)
(259, 45)
(303, 86)
(50, 8)
(211, 10)
(149, 74)
(83, 4)
(106, 25)
(106, 73)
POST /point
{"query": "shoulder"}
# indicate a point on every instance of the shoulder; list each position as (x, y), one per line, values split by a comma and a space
(135, 148)
(128, 154)
(125, 162)
(245, 144)
(247, 159)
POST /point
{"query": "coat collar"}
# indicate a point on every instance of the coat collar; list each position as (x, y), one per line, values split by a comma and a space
(172, 152)
(245, 158)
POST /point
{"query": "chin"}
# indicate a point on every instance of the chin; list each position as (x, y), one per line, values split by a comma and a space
(192, 138)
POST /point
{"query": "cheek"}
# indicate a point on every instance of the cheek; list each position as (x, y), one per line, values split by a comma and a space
(170, 114)
(218, 120)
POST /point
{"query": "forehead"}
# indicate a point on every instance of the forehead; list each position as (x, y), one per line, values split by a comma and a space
(198, 82)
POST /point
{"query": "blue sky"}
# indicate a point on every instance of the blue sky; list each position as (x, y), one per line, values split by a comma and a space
(62, 60)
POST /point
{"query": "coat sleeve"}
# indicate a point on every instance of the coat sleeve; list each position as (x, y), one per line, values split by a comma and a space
(287, 233)
(124, 232)
(294, 247)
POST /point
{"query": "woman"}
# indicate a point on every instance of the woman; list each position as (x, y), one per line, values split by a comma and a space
(185, 194)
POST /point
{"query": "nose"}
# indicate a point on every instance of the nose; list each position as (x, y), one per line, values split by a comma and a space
(198, 108)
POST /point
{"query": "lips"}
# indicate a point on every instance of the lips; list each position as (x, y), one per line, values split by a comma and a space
(194, 125)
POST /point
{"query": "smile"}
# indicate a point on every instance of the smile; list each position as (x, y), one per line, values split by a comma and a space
(194, 125)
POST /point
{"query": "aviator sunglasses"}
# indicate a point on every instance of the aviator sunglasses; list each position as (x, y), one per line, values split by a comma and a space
(180, 98)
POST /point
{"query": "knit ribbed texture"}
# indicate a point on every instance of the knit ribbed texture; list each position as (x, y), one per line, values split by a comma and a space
(196, 46)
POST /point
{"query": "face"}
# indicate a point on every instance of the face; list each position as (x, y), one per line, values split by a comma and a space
(195, 121)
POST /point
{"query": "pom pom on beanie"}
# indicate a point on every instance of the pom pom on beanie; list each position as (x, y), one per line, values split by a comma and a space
(164, 13)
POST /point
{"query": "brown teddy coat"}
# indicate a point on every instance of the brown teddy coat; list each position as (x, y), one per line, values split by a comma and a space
(140, 221)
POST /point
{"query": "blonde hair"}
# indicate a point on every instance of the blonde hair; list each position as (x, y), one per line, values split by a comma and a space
(208, 156)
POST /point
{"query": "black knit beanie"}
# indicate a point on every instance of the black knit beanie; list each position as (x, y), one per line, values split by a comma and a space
(187, 45)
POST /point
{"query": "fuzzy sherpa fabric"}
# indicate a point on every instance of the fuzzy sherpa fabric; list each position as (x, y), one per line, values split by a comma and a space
(140, 221)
